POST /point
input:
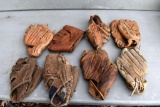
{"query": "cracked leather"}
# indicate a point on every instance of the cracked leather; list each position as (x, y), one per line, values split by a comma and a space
(98, 32)
(60, 79)
(24, 78)
(133, 67)
(125, 33)
(66, 39)
(37, 38)
(100, 72)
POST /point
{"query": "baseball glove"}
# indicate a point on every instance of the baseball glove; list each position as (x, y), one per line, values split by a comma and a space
(98, 32)
(133, 67)
(66, 39)
(37, 37)
(100, 72)
(60, 79)
(24, 78)
(125, 33)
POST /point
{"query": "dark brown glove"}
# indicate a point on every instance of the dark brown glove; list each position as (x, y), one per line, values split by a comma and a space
(24, 78)
(60, 79)
(98, 32)
(66, 39)
(126, 33)
(100, 72)
(37, 37)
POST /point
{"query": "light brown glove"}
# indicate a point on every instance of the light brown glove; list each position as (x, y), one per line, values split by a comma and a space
(133, 66)
(98, 32)
(100, 72)
(60, 79)
(37, 37)
(125, 33)
(66, 39)
(24, 78)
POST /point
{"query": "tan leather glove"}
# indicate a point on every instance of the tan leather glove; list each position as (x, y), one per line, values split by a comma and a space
(133, 67)
(125, 33)
(37, 37)
(98, 32)
(60, 79)
(24, 78)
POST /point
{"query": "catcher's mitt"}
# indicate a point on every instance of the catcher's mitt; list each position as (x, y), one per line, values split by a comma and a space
(60, 79)
(98, 32)
(100, 72)
(66, 39)
(24, 78)
(133, 66)
(126, 33)
(37, 37)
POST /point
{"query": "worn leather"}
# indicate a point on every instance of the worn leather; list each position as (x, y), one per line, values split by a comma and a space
(24, 78)
(125, 33)
(100, 72)
(60, 79)
(37, 37)
(133, 67)
(98, 32)
(66, 39)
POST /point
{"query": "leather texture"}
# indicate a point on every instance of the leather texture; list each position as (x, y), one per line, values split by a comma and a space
(133, 67)
(66, 39)
(60, 79)
(125, 33)
(100, 72)
(37, 38)
(24, 78)
(98, 32)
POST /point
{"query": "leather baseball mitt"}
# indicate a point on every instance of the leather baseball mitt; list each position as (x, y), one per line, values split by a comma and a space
(24, 78)
(133, 67)
(100, 72)
(66, 39)
(60, 79)
(37, 37)
(125, 33)
(98, 32)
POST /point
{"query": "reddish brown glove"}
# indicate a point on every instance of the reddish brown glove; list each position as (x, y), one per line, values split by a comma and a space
(66, 39)
(60, 79)
(100, 72)
(37, 37)
(24, 78)
(126, 33)
(98, 32)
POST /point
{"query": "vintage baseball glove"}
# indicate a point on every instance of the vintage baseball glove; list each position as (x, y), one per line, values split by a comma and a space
(60, 79)
(66, 39)
(24, 78)
(100, 72)
(98, 32)
(125, 33)
(133, 67)
(37, 37)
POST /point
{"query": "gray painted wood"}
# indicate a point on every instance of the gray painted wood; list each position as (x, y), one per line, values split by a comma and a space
(13, 25)
(6, 5)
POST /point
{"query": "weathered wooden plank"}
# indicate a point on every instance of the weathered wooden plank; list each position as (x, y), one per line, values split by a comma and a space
(6, 5)
(13, 25)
